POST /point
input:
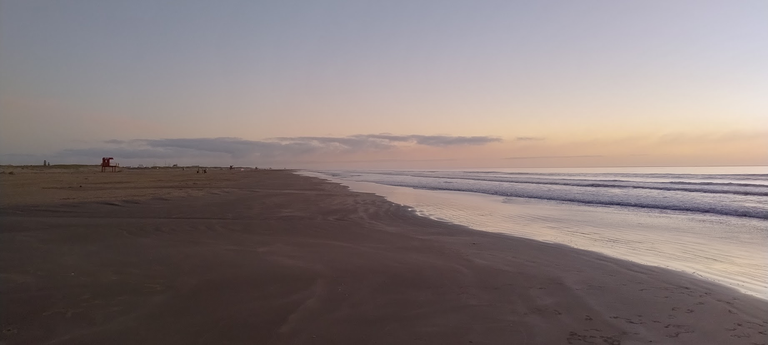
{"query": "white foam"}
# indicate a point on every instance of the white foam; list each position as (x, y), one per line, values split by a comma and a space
(730, 198)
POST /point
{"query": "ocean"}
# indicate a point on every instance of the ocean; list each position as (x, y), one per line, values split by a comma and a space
(708, 221)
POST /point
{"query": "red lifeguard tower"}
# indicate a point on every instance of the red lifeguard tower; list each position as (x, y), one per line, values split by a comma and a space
(106, 164)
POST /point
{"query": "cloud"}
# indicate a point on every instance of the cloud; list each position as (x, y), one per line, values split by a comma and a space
(351, 143)
(529, 139)
(235, 147)
(274, 149)
(554, 157)
(432, 140)
(115, 141)
(122, 152)
(387, 141)
(384, 160)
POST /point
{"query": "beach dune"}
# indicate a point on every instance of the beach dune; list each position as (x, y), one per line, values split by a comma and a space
(271, 257)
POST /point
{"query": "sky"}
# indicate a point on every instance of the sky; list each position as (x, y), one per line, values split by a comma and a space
(385, 84)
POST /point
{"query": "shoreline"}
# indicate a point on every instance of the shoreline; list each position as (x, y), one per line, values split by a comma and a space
(668, 239)
(275, 257)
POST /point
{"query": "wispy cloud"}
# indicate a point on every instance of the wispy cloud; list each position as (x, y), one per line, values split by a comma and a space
(432, 140)
(529, 139)
(387, 141)
(554, 157)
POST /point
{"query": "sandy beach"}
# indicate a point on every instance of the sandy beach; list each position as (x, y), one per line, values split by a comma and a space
(172, 256)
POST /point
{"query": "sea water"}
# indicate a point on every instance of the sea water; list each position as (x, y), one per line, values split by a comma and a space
(711, 222)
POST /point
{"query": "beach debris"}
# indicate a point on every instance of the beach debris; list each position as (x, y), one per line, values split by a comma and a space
(11, 173)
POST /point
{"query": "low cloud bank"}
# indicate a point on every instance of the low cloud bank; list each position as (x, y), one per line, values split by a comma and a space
(274, 149)
(529, 139)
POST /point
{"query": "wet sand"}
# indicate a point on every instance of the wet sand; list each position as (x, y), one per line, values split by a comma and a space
(270, 257)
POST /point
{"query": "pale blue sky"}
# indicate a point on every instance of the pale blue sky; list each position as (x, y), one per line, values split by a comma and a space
(571, 73)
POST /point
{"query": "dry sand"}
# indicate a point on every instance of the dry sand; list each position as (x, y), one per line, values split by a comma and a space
(270, 257)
